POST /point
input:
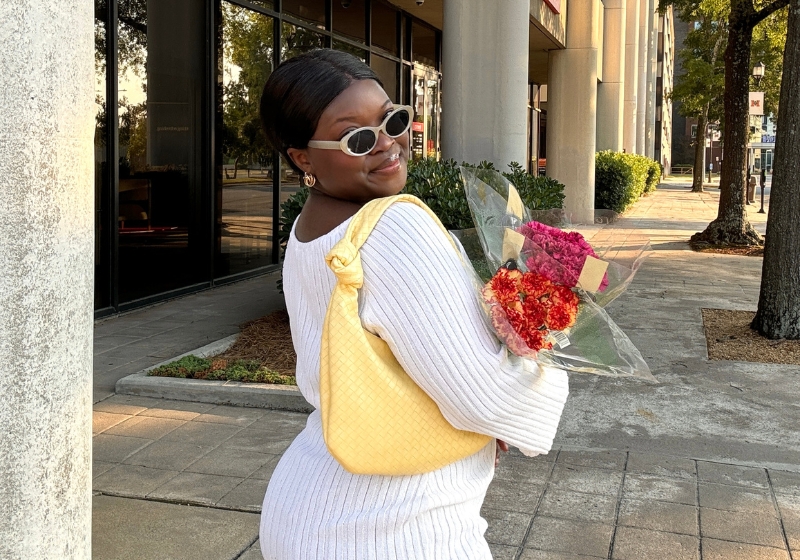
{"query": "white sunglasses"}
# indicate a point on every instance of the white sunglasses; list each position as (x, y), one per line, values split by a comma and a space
(361, 141)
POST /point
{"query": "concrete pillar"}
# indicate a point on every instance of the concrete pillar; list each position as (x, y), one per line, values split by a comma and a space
(572, 109)
(652, 70)
(611, 92)
(485, 75)
(641, 77)
(631, 74)
(46, 279)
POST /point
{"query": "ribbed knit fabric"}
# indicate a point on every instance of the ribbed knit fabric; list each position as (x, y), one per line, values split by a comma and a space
(418, 297)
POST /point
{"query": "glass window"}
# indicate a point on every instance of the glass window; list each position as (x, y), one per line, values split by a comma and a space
(297, 40)
(384, 26)
(350, 21)
(361, 54)
(387, 71)
(423, 45)
(161, 60)
(102, 224)
(244, 186)
(312, 11)
(265, 3)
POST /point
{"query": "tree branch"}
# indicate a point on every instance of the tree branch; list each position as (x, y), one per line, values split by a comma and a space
(767, 11)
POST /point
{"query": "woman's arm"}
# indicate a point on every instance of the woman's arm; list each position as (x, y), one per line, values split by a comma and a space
(419, 298)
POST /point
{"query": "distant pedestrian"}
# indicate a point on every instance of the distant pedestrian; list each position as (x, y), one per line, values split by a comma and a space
(418, 297)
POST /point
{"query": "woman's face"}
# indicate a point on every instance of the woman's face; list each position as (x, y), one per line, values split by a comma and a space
(382, 172)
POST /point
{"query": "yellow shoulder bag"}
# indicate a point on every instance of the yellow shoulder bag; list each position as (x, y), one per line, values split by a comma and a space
(375, 419)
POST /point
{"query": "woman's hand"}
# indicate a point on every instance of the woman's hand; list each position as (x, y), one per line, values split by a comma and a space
(501, 446)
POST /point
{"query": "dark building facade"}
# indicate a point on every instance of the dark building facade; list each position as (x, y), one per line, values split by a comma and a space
(188, 193)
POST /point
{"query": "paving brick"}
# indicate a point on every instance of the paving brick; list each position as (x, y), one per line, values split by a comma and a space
(586, 479)
(575, 505)
(785, 482)
(650, 487)
(569, 536)
(726, 550)
(114, 449)
(533, 554)
(526, 470)
(752, 528)
(99, 467)
(252, 553)
(125, 404)
(248, 495)
(736, 498)
(203, 433)
(614, 460)
(178, 410)
(662, 465)
(230, 415)
(506, 527)
(731, 474)
(257, 441)
(789, 507)
(502, 552)
(265, 472)
(145, 427)
(659, 516)
(131, 480)
(635, 544)
(511, 496)
(230, 462)
(168, 455)
(196, 487)
(102, 421)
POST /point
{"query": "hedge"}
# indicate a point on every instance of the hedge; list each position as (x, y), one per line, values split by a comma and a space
(621, 179)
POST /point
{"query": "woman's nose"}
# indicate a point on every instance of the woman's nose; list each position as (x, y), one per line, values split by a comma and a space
(384, 142)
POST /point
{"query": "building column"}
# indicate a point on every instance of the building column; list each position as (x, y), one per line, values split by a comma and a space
(652, 71)
(46, 285)
(641, 77)
(485, 75)
(611, 92)
(631, 74)
(572, 110)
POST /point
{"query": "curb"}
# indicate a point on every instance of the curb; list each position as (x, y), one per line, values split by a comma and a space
(254, 395)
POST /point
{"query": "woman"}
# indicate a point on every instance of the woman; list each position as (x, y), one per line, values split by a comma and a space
(418, 297)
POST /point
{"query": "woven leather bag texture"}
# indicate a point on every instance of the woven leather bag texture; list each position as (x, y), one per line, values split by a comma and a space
(375, 419)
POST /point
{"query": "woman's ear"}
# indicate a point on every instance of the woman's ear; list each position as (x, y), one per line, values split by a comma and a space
(300, 159)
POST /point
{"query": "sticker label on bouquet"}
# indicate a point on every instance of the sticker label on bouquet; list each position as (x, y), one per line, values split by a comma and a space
(515, 207)
(512, 244)
(592, 274)
(559, 339)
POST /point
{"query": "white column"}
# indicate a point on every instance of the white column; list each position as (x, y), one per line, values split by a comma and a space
(631, 73)
(572, 110)
(46, 277)
(641, 77)
(652, 70)
(611, 92)
(485, 81)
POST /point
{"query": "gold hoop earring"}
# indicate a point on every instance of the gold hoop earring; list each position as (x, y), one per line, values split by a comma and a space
(309, 180)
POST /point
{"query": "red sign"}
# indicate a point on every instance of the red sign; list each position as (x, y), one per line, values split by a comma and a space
(554, 5)
(418, 126)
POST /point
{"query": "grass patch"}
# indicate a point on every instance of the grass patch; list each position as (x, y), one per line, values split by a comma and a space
(221, 369)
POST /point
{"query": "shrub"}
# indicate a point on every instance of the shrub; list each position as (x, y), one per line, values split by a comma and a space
(537, 192)
(620, 179)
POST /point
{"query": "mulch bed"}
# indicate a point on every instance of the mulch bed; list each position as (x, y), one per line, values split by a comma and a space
(267, 340)
(742, 250)
(729, 337)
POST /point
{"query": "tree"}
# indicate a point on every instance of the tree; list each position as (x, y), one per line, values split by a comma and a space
(699, 88)
(778, 314)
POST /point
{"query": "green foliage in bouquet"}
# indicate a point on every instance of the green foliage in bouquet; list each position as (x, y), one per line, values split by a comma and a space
(620, 179)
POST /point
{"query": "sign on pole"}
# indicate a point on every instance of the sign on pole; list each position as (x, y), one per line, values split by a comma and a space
(756, 102)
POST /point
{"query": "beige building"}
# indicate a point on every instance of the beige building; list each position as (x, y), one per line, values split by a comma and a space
(551, 82)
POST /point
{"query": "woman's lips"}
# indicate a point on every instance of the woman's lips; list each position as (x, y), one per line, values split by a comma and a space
(390, 165)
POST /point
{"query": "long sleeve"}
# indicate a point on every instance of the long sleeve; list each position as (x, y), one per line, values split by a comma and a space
(420, 299)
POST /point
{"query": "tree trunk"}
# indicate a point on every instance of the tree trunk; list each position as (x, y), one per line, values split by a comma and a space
(731, 227)
(699, 151)
(778, 313)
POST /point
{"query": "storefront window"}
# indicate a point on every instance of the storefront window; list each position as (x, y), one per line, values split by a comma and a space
(161, 60)
(384, 27)
(245, 174)
(350, 21)
(312, 11)
(102, 240)
(297, 40)
(269, 4)
(360, 54)
(423, 45)
(387, 71)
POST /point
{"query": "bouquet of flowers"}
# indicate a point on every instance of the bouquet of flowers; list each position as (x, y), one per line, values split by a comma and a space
(544, 288)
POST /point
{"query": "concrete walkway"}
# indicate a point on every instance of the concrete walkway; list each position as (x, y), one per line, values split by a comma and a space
(704, 465)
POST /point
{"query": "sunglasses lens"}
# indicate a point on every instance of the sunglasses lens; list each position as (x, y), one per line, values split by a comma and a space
(398, 123)
(361, 142)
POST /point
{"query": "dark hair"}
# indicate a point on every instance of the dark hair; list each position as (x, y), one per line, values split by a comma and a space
(299, 90)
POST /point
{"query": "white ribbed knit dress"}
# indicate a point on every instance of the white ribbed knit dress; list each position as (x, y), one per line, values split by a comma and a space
(418, 297)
